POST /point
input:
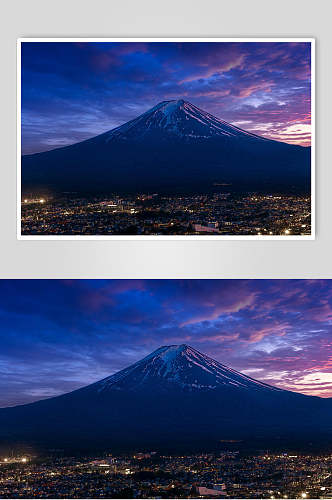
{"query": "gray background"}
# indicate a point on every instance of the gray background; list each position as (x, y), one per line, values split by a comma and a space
(165, 259)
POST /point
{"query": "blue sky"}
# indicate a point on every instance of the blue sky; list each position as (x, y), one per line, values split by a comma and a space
(72, 91)
(59, 335)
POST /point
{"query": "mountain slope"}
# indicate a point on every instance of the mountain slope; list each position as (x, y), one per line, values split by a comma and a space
(174, 398)
(180, 367)
(173, 147)
(178, 121)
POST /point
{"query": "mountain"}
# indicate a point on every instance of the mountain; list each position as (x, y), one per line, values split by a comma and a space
(173, 147)
(180, 368)
(174, 399)
(176, 121)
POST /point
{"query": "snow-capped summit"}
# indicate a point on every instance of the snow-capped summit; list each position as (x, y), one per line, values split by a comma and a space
(180, 367)
(178, 119)
(173, 399)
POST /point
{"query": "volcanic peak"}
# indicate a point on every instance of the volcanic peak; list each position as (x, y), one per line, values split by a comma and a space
(181, 367)
(181, 119)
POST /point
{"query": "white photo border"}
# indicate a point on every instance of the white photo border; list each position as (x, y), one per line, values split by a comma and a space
(311, 236)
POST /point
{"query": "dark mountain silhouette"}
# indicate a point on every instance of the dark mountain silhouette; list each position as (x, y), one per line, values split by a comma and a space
(173, 147)
(175, 398)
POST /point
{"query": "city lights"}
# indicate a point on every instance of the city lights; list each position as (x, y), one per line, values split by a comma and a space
(200, 214)
(226, 474)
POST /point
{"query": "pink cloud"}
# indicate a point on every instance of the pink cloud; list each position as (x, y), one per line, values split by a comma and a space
(275, 329)
(235, 304)
(209, 68)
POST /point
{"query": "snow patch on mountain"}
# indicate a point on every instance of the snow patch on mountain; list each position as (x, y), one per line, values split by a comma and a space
(180, 119)
(181, 366)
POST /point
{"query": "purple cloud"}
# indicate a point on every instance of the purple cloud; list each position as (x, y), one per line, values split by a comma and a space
(72, 91)
(61, 335)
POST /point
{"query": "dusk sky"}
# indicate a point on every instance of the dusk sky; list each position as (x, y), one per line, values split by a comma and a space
(73, 91)
(57, 335)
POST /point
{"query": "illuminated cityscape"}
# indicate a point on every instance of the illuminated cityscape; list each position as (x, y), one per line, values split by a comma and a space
(227, 474)
(154, 214)
(104, 417)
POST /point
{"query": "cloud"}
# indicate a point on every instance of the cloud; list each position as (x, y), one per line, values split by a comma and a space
(59, 335)
(209, 68)
(73, 91)
(225, 304)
